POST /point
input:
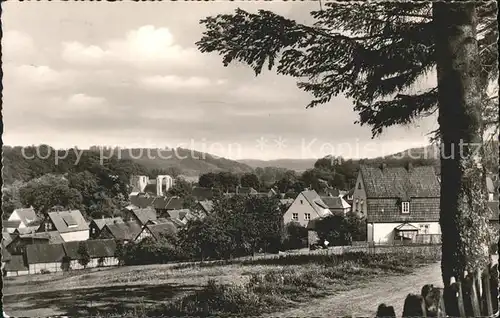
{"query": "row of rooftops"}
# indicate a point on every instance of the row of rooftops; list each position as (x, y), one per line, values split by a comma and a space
(53, 253)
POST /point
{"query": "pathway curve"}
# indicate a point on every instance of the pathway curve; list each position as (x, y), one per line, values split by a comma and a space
(363, 302)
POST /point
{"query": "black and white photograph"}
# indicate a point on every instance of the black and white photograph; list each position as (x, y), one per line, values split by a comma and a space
(250, 159)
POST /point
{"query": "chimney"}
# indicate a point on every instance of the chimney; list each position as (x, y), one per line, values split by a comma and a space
(102, 217)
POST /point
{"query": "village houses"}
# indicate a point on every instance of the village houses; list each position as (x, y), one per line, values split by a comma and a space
(307, 206)
(20, 219)
(399, 203)
(71, 225)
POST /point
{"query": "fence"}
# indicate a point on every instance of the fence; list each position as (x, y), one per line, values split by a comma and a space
(385, 248)
(427, 239)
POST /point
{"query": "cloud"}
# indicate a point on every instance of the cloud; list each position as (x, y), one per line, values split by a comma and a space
(174, 82)
(40, 77)
(16, 46)
(143, 47)
(76, 108)
(85, 101)
(77, 53)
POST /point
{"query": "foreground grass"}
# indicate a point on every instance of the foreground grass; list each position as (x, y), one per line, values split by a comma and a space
(287, 281)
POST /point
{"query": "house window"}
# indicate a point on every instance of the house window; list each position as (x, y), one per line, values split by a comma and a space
(48, 226)
(295, 216)
(307, 216)
(301, 201)
(93, 230)
(361, 205)
(356, 206)
(359, 186)
(405, 207)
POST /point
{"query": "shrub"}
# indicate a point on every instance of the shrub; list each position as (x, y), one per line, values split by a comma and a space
(83, 254)
(44, 271)
(295, 236)
(150, 251)
(100, 262)
(214, 300)
(66, 263)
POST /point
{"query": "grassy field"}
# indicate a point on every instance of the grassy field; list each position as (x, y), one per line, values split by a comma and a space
(240, 287)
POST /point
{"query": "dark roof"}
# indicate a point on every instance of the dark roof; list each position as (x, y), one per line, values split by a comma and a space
(27, 215)
(160, 202)
(178, 214)
(144, 215)
(399, 182)
(494, 210)
(165, 203)
(71, 249)
(101, 248)
(44, 253)
(207, 205)
(163, 228)
(68, 221)
(334, 202)
(11, 224)
(142, 201)
(175, 203)
(6, 256)
(96, 248)
(101, 222)
(52, 237)
(124, 231)
(389, 210)
(15, 264)
(350, 193)
(201, 194)
(331, 192)
(150, 187)
(315, 201)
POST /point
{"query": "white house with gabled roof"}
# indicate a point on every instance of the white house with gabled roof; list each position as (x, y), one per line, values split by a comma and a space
(307, 206)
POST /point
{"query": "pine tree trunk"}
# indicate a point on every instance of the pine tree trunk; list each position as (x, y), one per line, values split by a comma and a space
(463, 217)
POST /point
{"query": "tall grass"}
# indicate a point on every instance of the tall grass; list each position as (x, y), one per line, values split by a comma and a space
(289, 284)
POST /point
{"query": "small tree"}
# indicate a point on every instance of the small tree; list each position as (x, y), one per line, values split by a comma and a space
(83, 254)
(66, 263)
(296, 236)
(356, 226)
(120, 252)
(100, 262)
(334, 229)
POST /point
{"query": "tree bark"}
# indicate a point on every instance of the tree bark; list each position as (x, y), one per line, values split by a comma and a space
(463, 217)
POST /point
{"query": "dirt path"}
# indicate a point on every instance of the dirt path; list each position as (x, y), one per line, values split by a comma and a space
(363, 302)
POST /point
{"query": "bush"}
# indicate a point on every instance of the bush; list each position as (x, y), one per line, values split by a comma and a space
(295, 236)
(214, 300)
(66, 263)
(150, 251)
(44, 271)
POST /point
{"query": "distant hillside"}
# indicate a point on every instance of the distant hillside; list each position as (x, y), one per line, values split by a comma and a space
(184, 161)
(298, 165)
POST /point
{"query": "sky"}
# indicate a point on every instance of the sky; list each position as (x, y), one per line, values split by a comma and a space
(129, 75)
